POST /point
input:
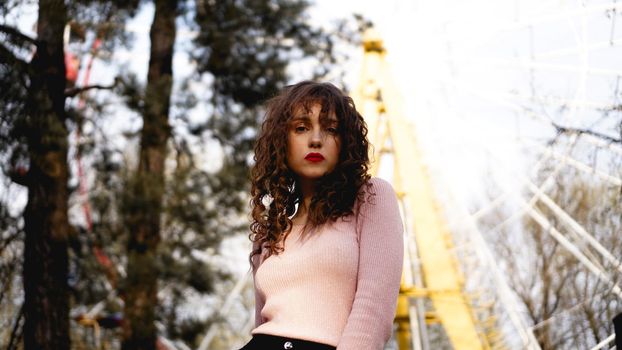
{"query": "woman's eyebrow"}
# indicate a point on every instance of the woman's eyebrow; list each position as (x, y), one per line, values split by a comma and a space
(330, 121)
(300, 118)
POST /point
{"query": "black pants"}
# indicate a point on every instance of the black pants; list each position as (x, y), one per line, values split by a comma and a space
(273, 342)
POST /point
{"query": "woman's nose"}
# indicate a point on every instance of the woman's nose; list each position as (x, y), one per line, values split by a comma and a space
(316, 138)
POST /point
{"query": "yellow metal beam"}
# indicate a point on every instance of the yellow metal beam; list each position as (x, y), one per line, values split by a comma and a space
(380, 104)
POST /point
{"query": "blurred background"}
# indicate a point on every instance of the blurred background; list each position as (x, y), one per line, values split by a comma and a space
(126, 140)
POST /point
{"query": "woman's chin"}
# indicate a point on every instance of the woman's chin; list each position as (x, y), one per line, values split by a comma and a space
(312, 176)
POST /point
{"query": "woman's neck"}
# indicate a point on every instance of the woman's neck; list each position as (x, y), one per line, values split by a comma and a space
(307, 188)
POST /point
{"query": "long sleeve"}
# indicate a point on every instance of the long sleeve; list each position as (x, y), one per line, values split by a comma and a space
(259, 303)
(259, 300)
(381, 253)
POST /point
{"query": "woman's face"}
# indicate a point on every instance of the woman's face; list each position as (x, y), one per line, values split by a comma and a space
(312, 144)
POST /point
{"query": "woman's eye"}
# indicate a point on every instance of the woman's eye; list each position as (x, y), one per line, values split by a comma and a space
(300, 128)
(332, 130)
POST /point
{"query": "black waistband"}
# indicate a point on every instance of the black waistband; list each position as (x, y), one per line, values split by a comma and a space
(275, 342)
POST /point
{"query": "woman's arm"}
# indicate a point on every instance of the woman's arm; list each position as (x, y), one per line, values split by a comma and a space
(259, 303)
(259, 300)
(381, 253)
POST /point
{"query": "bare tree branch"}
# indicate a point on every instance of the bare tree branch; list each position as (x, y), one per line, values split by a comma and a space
(6, 241)
(8, 57)
(565, 130)
(19, 176)
(17, 34)
(78, 90)
(16, 333)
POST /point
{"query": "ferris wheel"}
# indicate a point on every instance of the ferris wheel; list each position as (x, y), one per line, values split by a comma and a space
(512, 102)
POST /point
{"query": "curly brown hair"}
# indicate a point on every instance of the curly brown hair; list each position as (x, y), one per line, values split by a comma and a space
(274, 188)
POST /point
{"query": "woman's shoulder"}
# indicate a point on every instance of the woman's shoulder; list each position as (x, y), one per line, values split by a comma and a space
(378, 204)
(379, 187)
(376, 192)
(381, 183)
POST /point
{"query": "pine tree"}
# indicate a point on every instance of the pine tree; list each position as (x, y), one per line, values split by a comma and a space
(35, 144)
(144, 208)
(42, 134)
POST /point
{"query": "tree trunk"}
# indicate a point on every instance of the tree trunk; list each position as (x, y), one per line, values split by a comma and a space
(147, 186)
(46, 304)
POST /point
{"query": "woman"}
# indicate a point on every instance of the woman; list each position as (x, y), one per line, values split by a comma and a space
(328, 272)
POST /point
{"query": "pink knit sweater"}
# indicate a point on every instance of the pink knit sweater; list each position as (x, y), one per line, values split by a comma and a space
(337, 285)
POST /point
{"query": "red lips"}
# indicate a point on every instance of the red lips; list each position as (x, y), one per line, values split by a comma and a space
(314, 157)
